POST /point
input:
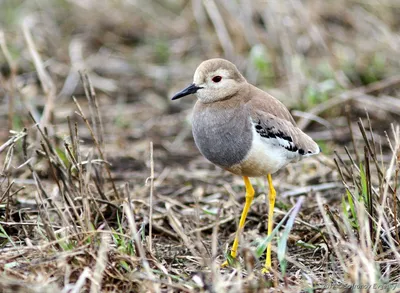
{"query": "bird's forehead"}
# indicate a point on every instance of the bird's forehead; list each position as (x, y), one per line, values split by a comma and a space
(215, 67)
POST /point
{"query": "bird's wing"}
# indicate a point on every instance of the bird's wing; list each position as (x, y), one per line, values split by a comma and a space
(273, 122)
(264, 102)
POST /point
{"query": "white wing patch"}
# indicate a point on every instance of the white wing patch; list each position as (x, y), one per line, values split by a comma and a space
(267, 155)
(278, 138)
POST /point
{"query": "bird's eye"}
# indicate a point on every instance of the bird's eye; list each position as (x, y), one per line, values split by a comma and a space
(216, 78)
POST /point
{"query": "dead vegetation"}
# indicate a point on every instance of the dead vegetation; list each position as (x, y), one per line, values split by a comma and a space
(102, 188)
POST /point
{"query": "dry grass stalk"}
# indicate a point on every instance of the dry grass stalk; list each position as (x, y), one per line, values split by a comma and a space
(96, 142)
(13, 71)
(47, 83)
(101, 263)
(220, 28)
(138, 244)
(151, 179)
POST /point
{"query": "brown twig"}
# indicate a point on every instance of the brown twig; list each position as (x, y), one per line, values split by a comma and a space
(346, 96)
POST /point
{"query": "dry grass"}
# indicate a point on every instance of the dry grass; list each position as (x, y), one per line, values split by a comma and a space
(103, 190)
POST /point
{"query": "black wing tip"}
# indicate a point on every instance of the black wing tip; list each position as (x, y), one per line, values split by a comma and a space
(309, 152)
(273, 133)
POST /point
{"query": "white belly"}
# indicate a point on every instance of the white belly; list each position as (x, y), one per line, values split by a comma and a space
(266, 156)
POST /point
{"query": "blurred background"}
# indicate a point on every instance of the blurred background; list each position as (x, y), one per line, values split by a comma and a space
(329, 62)
(138, 53)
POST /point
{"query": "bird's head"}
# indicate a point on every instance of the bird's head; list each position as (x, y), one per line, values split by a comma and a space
(214, 80)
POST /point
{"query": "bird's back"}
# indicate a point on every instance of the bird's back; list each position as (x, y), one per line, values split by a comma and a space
(263, 101)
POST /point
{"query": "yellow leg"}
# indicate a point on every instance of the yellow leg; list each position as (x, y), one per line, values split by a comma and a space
(272, 196)
(249, 199)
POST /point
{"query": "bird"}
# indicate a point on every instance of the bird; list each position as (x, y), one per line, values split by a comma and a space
(244, 130)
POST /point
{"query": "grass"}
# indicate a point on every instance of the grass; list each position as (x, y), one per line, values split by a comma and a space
(103, 190)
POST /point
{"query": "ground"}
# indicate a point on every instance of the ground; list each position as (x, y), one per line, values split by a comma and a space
(103, 190)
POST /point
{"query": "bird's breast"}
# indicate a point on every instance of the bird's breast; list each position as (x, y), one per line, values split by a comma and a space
(222, 135)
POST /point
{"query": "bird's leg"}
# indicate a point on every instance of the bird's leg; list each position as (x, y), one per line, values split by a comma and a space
(272, 195)
(249, 199)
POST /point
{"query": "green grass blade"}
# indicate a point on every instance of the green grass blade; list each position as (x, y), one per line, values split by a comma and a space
(263, 245)
(354, 220)
(285, 236)
(5, 235)
(364, 188)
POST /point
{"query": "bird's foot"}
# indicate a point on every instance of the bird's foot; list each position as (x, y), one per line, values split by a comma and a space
(229, 262)
(224, 264)
(265, 270)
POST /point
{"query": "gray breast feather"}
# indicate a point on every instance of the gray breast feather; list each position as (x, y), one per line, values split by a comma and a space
(222, 136)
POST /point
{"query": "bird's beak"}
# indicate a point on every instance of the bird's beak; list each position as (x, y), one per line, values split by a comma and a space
(191, 89)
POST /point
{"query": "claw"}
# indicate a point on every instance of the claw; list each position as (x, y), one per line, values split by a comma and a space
(230, 261)
(265, 271)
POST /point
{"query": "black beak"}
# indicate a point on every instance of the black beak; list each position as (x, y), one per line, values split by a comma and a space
(191, 89)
